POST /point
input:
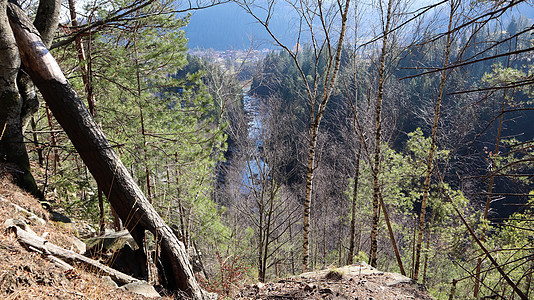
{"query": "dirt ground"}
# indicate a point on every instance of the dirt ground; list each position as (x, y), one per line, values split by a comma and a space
(358, 281)
(27, 274)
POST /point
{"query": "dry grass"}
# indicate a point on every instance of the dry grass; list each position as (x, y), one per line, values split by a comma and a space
(29, 275)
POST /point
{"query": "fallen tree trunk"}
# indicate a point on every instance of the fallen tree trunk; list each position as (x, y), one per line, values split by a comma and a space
(47, 248)
(123, 193)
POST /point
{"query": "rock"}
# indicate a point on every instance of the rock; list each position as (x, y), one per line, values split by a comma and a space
(33, 218)
(396, 278)
(57, 217)
(360, 268)
(333, 275)
(36, 220)
(20, 224)
(121, 250)
(80, 246)
(141, 288)
(111, 242)
(109, 282)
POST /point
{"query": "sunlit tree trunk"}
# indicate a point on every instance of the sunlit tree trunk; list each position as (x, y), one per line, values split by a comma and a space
(314, 131)
(378, 133)
(392, 236)
(421, 228)
(83, 63)
(316, 99)
(12, 148)
(350, 258)
(180, 204)
(427, 247)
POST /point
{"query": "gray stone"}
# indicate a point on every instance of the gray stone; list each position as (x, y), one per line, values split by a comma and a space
(396, 278)
(36, 220)
(112, 241)
(109, 282)
(142, 288)
(80, 246)
(210, 296)
(20, 224)
(360, 268)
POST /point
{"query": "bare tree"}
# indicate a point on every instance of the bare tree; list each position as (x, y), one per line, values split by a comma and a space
(326, 23)
(430, 161)
(263, 200)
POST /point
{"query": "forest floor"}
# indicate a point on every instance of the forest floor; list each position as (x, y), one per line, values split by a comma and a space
(358, 281)
(28, 274)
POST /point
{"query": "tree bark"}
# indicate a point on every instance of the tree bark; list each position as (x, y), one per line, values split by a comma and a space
(432, 150)
(350, 258)
(315, 122)
(378, 124)
(47, 20)
(97, 153)
(12, 147)
(19, 100)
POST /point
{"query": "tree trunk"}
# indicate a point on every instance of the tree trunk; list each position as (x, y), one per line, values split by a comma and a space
(432, 147)
(36, 143)
(350, 259)
(261, 274)
(12, 147)
(83, 62)
(95, 150)
(392, 236)
(378, 124)
(307, 201)
(315, 121)
(179, 198)
(46, 22)
(53, 143)
(425, 265)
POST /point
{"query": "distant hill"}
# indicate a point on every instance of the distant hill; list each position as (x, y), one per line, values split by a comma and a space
(228, 26)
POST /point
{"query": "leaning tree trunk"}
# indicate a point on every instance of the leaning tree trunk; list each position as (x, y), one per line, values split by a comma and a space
(46, 22)
(97, 153)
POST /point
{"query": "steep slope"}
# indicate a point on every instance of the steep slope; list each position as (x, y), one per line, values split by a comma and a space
(28, 274)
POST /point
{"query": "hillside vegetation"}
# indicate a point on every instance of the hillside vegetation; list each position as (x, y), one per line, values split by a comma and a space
(387, 134)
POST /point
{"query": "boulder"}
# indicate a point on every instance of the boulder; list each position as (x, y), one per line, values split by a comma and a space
(109, 282)
(111, 242)
(79, 246)
(142, 288)
(20, 224)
